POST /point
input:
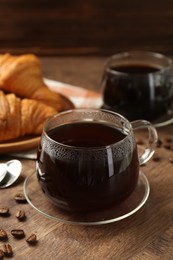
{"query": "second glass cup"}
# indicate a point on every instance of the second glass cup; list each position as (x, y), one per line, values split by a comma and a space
(138, 84)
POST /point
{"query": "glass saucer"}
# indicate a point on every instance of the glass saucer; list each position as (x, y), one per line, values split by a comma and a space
(128, 207)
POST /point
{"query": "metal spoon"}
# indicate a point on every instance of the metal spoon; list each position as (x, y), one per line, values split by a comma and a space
(14, 168)
(3, 171)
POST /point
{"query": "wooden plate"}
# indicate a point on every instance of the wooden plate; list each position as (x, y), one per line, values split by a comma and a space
(19, 145)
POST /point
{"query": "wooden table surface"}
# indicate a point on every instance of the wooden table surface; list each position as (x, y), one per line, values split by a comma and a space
(148, 234)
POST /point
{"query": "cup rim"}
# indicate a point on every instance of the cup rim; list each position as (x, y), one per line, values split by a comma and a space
(97, 148)
(138, 53)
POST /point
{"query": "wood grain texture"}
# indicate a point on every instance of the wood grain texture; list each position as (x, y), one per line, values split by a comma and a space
(143, 236)
(90, 27)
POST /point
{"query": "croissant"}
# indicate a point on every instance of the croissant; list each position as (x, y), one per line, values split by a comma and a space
(22, 76)
(20, 117)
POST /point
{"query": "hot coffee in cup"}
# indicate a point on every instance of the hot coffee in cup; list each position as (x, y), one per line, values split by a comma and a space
(138, 85)
(88, 158)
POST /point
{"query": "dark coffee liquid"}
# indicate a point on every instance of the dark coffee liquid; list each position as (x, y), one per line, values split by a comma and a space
(139, 92)
(135, 69)
(86, 135)
(87, 180)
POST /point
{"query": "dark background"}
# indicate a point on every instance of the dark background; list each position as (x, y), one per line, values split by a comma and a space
(80, 27)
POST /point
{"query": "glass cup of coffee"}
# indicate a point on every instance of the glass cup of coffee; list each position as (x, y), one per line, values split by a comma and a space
(88, 158)
(138, 84)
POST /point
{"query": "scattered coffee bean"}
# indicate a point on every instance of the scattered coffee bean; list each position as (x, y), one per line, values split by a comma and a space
(20, 215)
(19, 197)
(156, 158)
(32, 239)
(3, 235)
(167, 146)
(18, 233)
(1, 254)
(4, 211)
(170, 159)
(7, 249)
(168, 139)
(159, 143)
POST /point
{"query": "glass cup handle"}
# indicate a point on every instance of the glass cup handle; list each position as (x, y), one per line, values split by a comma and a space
(152, 139)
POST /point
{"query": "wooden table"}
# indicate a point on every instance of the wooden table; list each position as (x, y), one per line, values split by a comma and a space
(148, 234)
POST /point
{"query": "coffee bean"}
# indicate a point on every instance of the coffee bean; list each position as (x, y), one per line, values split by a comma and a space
(167, 146)
(169, 139)
(170, 159)
(4, 211)
(19, 197)
(7, 249)
(3, 235)
(156, 158)
(159, 143)
(21, 215)
(18, 233)
(32, 239)
(1, 254)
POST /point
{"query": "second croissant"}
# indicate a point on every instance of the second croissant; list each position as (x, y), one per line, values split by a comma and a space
(20, 117)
